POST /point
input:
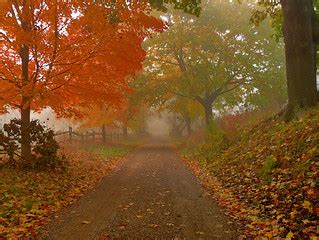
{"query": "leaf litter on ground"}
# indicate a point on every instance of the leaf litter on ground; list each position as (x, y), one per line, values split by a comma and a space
(268, 178)
(30, 197)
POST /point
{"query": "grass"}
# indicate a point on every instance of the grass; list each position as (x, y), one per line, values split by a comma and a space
(112, 150)
(108, 151)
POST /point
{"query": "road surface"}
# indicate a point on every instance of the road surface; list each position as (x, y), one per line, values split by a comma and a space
(151, 196)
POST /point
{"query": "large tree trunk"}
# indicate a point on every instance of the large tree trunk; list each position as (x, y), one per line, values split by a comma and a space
(300, 59)
(25, 107)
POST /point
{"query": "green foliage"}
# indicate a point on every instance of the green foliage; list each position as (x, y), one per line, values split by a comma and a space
(270, 9)
(214, 58)
(188, 6)
(44, 146)
(273, 10)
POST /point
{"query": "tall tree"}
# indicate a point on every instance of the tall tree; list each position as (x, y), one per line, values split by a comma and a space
(63, 54)
(300, 28)
(221, 57)
(301, 35)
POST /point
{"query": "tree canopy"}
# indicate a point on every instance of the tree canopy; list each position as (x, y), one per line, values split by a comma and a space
(78, 53)
(223, 58)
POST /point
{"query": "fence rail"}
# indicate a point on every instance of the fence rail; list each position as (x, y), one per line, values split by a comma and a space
(87, 136)
(71, 135)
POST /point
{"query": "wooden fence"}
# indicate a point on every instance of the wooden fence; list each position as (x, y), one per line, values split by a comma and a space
(92, 135)
(82, 137)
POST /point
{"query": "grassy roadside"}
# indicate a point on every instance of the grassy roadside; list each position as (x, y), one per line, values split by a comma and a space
(267, 177)
(29, 197)
(108, 151)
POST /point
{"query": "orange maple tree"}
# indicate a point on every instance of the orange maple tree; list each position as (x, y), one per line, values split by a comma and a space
(69, 54)
(119, 116)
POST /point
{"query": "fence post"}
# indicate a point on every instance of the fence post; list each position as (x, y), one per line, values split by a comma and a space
(70, 134)
(93, 135)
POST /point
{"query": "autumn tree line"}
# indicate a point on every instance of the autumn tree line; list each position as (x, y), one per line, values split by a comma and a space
(108, 62)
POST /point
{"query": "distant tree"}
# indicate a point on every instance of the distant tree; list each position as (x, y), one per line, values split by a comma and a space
(299, 21)
(131, 114)
(188, 111)
(211, 57)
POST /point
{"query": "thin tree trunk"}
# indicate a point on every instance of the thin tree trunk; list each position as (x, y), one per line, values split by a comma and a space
(103, 133)
(300, 59)
(188, 125)
(208, 113)
(25, 108)
(124, 131)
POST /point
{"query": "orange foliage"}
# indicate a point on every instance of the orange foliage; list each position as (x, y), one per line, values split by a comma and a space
(110, 116)
(80, 52)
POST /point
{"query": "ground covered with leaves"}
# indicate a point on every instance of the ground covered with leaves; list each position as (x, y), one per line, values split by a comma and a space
(29, 197)
(267, 177)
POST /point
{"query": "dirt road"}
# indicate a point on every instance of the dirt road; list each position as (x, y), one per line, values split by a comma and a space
(152, 196)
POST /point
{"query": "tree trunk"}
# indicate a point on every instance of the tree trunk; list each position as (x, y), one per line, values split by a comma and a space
(103, 133)
(208, 112)
(124, 131)
(25, 107)
(188, 125)
(25, 134)
(300, 59)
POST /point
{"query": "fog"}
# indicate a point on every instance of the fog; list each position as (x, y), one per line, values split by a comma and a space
(47, 116)
(157, 125)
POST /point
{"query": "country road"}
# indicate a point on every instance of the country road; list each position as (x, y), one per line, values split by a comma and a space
(151, 196)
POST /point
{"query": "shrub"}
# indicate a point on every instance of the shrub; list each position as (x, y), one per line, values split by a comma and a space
(44, 146)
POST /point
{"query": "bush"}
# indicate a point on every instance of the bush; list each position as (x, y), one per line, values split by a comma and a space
(44, 146)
